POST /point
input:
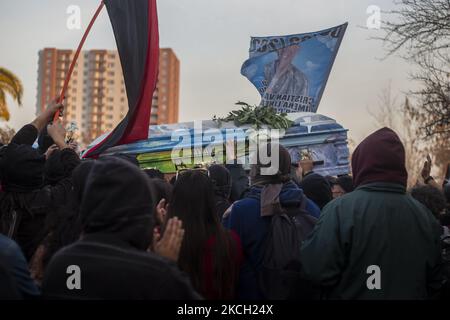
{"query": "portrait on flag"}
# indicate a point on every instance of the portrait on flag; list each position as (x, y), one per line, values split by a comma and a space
(290, 72)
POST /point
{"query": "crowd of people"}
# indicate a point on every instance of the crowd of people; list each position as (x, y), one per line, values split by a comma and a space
(103, 228)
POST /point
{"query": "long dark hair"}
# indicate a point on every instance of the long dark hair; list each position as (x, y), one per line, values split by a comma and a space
(193, 203)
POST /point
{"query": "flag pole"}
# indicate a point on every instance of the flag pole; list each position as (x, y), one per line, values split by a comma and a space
(75, 58)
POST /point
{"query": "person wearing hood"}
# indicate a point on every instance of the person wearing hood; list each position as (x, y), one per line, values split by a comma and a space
(376, 242)
(116, 213)
(317, 189)
(221, 179)
(57, 167)
(250, 217)
(26, 201)
(64, 227)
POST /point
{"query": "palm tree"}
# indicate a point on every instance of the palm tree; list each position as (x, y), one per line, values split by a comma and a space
(9, 83)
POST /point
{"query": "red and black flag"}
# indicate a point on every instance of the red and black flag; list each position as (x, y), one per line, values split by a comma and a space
(135, 26)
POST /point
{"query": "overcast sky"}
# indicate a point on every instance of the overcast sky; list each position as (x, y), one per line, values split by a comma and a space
(211, 39)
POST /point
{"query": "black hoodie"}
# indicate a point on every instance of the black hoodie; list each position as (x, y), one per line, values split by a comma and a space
(25, 202)
(116, 215)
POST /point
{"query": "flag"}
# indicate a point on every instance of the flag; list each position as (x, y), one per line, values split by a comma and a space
(135, 26)
(290, 72)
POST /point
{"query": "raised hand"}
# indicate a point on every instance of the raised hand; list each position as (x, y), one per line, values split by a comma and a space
(169, 244)
(57, 132)
(50, 150)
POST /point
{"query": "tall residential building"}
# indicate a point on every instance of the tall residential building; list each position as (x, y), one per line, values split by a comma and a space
(96, 99)
(166, 97)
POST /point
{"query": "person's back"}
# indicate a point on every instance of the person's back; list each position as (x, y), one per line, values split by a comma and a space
(210, 254)
(111, 269)
(26, 202)
(379, 224)
(376, 242)
(252, 223)
(111, 260)
(16, 268)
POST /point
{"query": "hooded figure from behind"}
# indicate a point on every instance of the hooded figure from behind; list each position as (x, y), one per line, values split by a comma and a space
(317, 188)
(64, 227)
(117, 221)
(376, 242)
(251, 216)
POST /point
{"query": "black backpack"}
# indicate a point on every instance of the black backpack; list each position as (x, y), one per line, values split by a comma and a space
(280, 272)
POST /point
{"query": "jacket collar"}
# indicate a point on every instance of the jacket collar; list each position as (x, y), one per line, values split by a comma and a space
(383, 187)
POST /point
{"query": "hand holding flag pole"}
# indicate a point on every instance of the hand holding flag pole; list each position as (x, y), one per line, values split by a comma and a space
(135, 27)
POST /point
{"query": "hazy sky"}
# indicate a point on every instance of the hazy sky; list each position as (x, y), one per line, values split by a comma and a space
(211, 39)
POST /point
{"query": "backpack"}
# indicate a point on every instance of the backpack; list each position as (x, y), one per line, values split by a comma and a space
(279, 277)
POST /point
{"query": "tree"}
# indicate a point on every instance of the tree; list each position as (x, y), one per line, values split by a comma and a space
(397, 116)
(420, 32)
(6, 135)
(9, 84)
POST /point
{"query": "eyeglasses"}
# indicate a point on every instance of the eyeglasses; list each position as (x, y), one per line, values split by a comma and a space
(180, 172)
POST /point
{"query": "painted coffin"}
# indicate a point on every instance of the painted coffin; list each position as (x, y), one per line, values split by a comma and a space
(187, 144)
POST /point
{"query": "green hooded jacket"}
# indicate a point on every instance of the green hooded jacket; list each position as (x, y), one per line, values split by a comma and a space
(376, 242)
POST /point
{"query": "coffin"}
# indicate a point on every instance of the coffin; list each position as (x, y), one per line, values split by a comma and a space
(187, 144)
